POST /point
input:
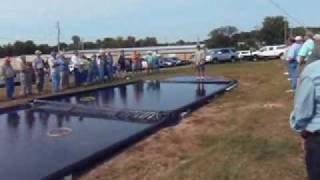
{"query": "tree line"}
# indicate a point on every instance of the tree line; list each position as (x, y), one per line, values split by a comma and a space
(274, 30)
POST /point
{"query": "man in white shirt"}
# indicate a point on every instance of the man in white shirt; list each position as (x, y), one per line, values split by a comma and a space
(76, 62)
(199, 59)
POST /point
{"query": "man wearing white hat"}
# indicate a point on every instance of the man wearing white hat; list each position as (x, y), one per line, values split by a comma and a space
(292, 58)
(315, 54)
(39, 66)
(305, 51)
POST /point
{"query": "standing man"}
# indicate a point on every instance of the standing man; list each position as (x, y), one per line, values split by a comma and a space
(199, 59)
(305, 118)
(135, 62)
(8, 74)
(292, 58)
(109, 66)
(55, 65)
(76, 63)
(122, 64)
(156, 61)
(38, 66)
(25, 76)
(305, 51)
(149, 60)
(64, 72)
(101, 65)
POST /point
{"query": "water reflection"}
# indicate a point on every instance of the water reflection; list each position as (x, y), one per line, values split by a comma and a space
(201, 90)
(123, 94)
(39, 120)
(13, 120)
(153, 86)
(30, 118)
(138, 91)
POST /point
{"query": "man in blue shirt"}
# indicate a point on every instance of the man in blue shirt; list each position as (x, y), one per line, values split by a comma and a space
(292, 58)
(305, 119)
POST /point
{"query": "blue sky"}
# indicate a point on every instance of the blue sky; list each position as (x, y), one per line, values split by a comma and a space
(168, 20)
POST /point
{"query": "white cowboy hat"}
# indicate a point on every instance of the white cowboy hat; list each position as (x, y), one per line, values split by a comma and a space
(38, 52)
(298, 38)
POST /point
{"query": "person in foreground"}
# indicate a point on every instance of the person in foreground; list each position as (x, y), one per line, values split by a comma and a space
(305, 118)
(8, 74)
(292, 59)
(199, 59)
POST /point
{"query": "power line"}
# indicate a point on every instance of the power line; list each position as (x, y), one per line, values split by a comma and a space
(58, 35)
(286, 12)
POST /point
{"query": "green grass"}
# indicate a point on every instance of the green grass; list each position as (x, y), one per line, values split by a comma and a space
(244, 135)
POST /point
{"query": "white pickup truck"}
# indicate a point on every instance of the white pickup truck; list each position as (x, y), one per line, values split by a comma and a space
(270, 52)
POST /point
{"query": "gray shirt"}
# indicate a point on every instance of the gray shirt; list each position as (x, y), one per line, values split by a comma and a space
(8, 71)
(38, 63)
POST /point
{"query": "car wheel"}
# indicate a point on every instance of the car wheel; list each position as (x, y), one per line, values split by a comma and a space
(281, 56)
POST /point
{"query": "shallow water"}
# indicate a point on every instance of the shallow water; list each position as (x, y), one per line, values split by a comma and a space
(149, 95)
(28, 152)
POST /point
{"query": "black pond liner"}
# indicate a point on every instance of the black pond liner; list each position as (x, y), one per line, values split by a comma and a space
(149, 121)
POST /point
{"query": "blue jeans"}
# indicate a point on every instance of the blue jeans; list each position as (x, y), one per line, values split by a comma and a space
(55, 81)
(10, 87)
(84, 76)
(110, 71)
(292, 68)
(312, 147)
(101, 73)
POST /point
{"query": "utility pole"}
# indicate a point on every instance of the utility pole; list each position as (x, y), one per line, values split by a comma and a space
(285, 30)
(58, 35)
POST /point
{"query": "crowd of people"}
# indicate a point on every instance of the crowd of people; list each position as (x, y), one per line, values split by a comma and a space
(303, 57)
(58, 69)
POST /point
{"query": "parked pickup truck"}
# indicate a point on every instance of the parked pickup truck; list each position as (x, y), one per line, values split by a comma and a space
(245, 55)
(270, 52)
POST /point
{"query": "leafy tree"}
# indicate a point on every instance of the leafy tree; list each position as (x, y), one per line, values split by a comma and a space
(224, 30)
(273, 29)
(180, 42)
(76, 41)
(130, 42)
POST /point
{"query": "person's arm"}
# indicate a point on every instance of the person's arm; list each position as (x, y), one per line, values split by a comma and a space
(304, 106)
(290, 54)
(302, 54)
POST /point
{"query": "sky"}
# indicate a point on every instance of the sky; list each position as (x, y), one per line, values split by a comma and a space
(168, 20)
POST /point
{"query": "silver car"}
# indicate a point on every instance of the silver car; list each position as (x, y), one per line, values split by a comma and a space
(221, 55)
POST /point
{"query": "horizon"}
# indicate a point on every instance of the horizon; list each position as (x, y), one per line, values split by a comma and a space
(168, 21)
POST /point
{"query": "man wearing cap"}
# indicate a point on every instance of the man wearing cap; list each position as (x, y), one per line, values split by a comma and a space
(305, 118)
(8, 74)
(64, 72)
(199, 60)
(292, 58)
(305, 51)
(25, 77)
(38, 66)
(315, 54)
(56, 65)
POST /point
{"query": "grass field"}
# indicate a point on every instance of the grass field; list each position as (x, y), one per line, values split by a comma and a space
(243, 135)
